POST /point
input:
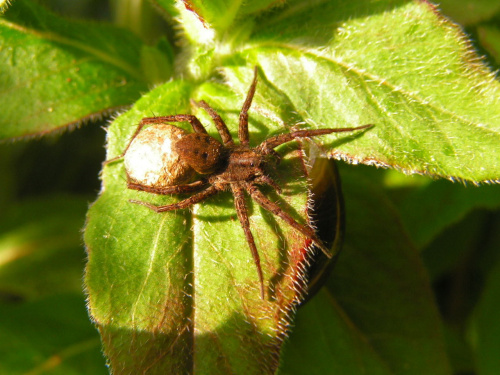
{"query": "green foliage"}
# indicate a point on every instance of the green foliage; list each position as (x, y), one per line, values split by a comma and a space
(415, 289)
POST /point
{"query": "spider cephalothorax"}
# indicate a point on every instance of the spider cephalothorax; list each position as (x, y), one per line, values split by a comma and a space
(220, 166)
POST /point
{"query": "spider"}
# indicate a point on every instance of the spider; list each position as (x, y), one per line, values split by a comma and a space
(221, 167)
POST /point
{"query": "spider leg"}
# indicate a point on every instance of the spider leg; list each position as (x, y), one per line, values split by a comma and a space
(193, 120)
(272, 207)
(219, 123)
(243, 127)
(241, 210)
(269, 144)
(266, 180)
(176, 189)
(202, 195)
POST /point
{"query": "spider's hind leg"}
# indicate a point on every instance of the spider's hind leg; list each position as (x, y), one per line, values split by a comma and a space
(198, 197)
(175, 189)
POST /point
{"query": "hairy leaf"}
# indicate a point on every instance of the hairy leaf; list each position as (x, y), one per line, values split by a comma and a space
(57, 72)
(180, 289)
(435, 106)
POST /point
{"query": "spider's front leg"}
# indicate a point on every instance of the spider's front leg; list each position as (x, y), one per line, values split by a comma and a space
(202, 195)
(193, 120)
(221, 126)
(267, 147)
(243, 123)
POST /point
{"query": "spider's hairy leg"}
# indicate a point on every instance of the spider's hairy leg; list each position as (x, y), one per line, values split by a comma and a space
(175, 189)
(193, 120)
(269, 144)
(243, 126)
(219, 123)
(272, 207)
(241, 210)
(202, 195)
(266, 180)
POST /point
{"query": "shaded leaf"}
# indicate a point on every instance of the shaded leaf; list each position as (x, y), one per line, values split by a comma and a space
(490, 39)
(486, 326)
(468, 12)
(40, 247)
(50, 336)
(378, 314)
(324, 342)
(428, 210)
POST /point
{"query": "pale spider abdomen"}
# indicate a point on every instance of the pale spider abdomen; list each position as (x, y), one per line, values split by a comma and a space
(152, 159)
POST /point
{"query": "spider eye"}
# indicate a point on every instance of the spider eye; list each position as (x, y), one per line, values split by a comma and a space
(202, 152)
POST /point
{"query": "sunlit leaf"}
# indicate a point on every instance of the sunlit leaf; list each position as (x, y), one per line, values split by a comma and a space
(435, 107)
(57, 72)
(182, 286)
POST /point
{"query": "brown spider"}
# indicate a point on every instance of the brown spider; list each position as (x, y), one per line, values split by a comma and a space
(223, 166)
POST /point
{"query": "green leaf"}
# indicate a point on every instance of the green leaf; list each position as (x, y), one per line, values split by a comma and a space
(40, 247)
(167, 7)
(378, 312)
(486, 327)
(435, 106)
(468, 12)
(182, 286)
(428, 210)
(50, 336)
(221, 15)
(324, 342)
(57, 72)
(179, 290)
